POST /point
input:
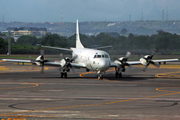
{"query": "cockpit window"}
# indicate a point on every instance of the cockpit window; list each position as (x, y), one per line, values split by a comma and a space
(98, 56)
(106, 56)
(101, 56)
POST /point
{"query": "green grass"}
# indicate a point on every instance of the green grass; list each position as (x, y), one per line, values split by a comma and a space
(113, 57)
(4, 56)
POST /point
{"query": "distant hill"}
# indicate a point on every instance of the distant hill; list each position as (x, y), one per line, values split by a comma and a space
(91, 28)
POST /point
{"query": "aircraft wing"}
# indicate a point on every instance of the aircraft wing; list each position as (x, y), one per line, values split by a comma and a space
(76, 65)
(156, 61)
(138, 62)
(55, 63)
(166, 60)
(14, 60)
(57, 48)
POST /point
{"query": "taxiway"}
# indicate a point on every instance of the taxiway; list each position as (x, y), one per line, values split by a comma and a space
(25, 94)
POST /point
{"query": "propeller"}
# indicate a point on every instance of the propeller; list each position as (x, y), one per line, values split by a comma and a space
(40, 60)
(66, 62)
(122, 62)
(147, 60)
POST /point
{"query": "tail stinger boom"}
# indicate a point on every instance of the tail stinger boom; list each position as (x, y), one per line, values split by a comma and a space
(78, 42)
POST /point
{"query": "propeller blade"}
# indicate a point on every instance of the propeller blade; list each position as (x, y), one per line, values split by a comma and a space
(127, 55)
(42, 58)
(155, 64)
(62, 56)
(42, 51)
(74, 57)
(153, 52)
(72, 68)
(42, 69)
(145, 68)
(130, 66)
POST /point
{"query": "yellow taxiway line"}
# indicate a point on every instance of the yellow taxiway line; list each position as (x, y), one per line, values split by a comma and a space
(170, 74)
(3, 68)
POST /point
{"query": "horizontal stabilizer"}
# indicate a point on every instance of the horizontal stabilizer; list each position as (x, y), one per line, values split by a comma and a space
(103, 47)
(57, 48)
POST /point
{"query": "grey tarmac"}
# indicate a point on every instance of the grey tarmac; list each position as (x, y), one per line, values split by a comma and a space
(25, 94)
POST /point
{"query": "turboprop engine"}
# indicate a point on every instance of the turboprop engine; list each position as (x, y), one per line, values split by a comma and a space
(147, 60)
(40, 60)
(121, 63)
(65, 63)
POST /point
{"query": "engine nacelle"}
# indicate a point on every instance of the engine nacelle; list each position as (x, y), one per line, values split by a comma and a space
(39, 60)
(62, 63)
(118, 63)
(143, 61)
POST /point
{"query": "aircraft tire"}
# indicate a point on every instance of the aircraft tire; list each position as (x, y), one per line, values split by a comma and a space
(100, 77)
(65, 74)
(120, 75)
(62, 74)
(116, 74)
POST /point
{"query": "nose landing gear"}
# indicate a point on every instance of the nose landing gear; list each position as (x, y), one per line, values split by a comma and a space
(100, 77)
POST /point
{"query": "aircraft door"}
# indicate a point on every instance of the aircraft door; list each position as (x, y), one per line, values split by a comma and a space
(88, 61)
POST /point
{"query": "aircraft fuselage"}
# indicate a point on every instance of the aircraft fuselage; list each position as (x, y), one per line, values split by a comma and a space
(95, 60)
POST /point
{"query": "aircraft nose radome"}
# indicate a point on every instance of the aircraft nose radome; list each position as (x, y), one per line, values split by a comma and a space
(104, 65)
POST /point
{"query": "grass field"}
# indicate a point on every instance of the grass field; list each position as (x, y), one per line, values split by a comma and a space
(113, 57)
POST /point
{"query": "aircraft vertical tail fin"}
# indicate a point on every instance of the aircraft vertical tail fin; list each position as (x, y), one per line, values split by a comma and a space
(78, 42)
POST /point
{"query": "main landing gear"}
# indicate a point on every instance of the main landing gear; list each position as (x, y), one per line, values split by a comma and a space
(63, 74)
(117, 74)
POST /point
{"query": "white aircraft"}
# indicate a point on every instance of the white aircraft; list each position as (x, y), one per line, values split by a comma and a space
(91, 60)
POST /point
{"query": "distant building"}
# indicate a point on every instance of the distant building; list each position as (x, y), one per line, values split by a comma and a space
(34, 31)
(43, 31)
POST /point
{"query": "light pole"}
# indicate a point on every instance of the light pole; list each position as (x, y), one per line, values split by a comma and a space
(9, 44)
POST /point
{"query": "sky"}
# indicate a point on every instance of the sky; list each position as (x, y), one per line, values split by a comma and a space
(87, 10)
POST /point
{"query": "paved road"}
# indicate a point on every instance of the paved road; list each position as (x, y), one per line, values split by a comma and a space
(25, 94)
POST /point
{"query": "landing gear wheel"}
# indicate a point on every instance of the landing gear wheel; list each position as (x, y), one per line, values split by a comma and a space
(62, 74)
(120, 75)
(65, 74)
(100, 77)
(116, 74)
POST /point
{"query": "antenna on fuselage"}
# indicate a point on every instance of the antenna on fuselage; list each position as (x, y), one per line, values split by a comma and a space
(78, 42)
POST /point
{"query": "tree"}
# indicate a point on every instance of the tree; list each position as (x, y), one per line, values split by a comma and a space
(3, 45)
(130, 36)
(54, 40)
(124, 31)
(28, 40)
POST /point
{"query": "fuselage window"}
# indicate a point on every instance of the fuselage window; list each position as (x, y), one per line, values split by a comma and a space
(102, 56)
